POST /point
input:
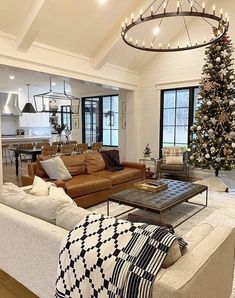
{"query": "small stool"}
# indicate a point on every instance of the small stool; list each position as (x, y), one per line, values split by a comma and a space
(6, 153)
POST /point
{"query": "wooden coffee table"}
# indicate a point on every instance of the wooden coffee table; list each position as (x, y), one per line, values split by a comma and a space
(177, 192)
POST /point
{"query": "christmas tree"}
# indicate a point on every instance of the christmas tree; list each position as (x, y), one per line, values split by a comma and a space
(213, 133)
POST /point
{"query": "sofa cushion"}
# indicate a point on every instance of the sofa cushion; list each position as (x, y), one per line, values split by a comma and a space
(40, 187)
(85, 184)
(68, 216)
(43, 207)
(127, 174)
(56, 169)
(174, 160)
(94, 162)
(75, 164)
(172, 167)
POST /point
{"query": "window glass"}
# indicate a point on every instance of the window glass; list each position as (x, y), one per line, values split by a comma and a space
(182, 98)
(100, 118)
(169, 117)
(182, 116)
(179, 107)
(169, 99)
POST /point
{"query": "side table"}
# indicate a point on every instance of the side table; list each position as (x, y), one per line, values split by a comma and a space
(151, 166)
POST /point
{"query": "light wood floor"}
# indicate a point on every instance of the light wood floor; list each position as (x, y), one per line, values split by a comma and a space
(9, 172)
(9, 287)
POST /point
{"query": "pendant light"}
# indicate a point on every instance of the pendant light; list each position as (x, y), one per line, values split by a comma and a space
(28, 108)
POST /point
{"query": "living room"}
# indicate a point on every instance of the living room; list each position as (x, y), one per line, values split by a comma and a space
(80, 43)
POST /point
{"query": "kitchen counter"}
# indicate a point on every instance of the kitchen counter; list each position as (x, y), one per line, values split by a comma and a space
(25, 139)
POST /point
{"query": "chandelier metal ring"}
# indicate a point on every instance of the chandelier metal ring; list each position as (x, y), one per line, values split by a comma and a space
(220, 31)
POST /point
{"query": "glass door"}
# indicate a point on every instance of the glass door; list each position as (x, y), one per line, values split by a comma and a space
(91, 125)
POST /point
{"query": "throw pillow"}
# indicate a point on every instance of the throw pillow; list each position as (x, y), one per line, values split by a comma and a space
(68, 216)
(174, 160)
(39, 187)
(43, 207)
(94, 162)
(172, 151)
(56, 169)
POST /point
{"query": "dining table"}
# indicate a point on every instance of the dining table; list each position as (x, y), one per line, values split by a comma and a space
(17, 151)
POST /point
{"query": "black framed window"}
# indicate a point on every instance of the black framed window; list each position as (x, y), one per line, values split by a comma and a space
(100, 120)
(177, 113)
(66, 118)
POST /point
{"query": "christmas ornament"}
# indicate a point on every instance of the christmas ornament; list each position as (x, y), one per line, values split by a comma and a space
(218, 59)
(223, 117)
(210, 132)
(210, 66)
(233, 145)
(218, 159)
(231, 103)
(209, 103)
(204, 145)
(199, 128)
(218, 48)
(207, 156)
(232, 134)
(231, 77)
(205, 118)
(213, 120)
(212, 149)
(191, 157)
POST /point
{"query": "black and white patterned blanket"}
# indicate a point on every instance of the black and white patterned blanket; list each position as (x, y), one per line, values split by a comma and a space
(106, 257)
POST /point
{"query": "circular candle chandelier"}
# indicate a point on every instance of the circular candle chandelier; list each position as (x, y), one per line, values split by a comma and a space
(160, 12)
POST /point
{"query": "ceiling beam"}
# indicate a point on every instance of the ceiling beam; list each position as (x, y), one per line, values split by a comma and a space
(101, 54)
(31, 26)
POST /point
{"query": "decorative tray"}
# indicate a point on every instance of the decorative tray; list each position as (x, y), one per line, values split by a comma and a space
(150, 185)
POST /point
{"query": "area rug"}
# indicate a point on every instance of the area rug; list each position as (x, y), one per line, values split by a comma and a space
(221, 209)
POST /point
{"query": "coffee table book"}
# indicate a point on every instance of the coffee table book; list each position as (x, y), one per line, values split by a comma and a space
(148, 185)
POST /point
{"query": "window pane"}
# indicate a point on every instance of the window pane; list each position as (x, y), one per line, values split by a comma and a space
(168, 134)
(114, 138)
(106, 104)
(106, 137)
(169, 99)
(182, 134)
(182, 116)
(115, 103)
(182, 98)
(169, 117)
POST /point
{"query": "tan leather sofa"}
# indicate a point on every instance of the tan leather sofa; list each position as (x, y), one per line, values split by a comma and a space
(90, 183)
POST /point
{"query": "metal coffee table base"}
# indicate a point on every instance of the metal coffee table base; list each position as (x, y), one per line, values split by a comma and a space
(163, 210)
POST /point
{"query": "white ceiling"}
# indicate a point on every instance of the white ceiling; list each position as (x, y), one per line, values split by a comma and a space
(90, 28)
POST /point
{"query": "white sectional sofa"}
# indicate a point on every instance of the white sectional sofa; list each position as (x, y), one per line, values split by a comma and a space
(29, 249)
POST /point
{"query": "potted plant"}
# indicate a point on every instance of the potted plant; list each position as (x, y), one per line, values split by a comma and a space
(147, 151)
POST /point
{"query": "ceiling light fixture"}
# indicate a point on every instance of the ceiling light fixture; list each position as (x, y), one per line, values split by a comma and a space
(28, 108)
(11, 77)
(159, 10)
(48, 101)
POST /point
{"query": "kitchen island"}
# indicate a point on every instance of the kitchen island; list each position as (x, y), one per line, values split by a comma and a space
(10, 140)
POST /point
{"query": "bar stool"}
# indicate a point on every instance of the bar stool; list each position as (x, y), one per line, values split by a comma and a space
(6, 153)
